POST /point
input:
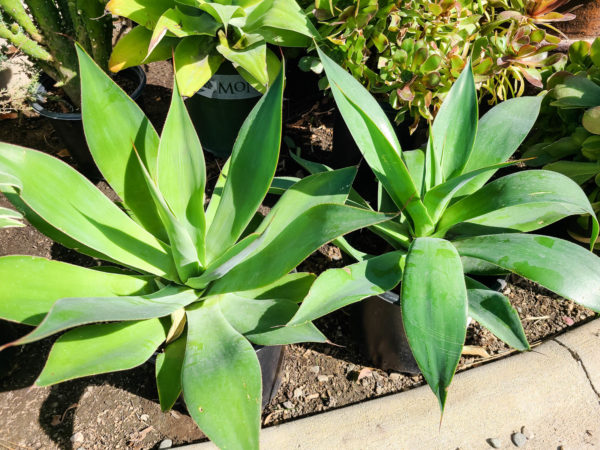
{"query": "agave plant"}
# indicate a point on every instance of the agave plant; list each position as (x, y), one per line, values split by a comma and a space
(201, 285)
(411, 54)
(203, 34)
(454, 224)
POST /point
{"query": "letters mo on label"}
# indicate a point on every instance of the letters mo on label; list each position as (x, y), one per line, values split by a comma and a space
(228, 87)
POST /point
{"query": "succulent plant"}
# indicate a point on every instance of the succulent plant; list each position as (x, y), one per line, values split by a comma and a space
(411, 52)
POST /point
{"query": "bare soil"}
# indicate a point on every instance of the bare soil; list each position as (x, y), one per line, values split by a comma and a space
(121, 410)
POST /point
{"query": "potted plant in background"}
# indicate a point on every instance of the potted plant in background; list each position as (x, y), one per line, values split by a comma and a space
(45, 31)
(454, 225)
(566, 139)
(222, 59)
(202, 284)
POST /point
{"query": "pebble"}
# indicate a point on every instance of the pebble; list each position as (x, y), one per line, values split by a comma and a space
(77, 437)
(167, 443)
(288, 405)
(298, 392)
(395, 376)
(528, 434)
(144, 417)
(494, 442)
(314, 369)
(518, 439)
(323, 378)
(378, 390)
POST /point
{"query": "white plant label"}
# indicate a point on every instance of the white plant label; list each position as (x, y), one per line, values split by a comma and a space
(228, 87)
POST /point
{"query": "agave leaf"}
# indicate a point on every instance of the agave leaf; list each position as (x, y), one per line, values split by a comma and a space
(132, 49)
(434, 310)
(102, 348)
(196, 61)
(168, 373)
(144, 12)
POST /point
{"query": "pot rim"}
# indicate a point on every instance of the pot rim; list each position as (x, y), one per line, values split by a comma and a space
(137, 73)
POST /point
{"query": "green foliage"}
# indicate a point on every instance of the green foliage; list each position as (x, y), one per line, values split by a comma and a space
(567, 136)
(452, 224)
(199, 285)
(45, 30)
(204, 34)
(410, 53)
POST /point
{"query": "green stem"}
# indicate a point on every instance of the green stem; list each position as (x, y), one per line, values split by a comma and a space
(98, 26)
(48, 19)
(17, 11)
(20, 40)
(63, 8)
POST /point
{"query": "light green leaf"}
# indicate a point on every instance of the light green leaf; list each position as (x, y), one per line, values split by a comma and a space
(221, 379)
(563, 267)
(336, 288)
(500, 132)
(132, 50)
(292, 286)
(494, 311)
(28, 301)
(377, 141)
(578, 171)
(455, 125)
(10, 218)
(111, 141)
(315, 227)
(144, 12)
(182, 173)
(263, 321)
(577, 92)
(71, 312)
(253, 59)
(252, 167)
(434, 310)
(168, 373)
(78, 209)
(103, 348)
(196, 61)
(523, 201)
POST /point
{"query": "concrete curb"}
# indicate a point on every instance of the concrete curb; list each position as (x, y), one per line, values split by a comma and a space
(554, 391)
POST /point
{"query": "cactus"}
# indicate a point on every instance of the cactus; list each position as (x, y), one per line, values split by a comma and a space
(45, 30)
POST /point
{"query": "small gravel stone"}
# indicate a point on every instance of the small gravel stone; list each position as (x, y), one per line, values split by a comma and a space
(395, 376)
(167, 443)
(494, 442)
(314, 369)
(288, 405)
(323, 378)
(378, 390)
(77, 437)
(144, 417)
(298, 392)
(518, 439)
(527, 433)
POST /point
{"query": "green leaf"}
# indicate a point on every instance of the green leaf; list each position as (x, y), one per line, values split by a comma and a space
(438, 197)
(168, 373)
(111, 141)
(252, 167)
(494, 311)
(263, 321)
(78, 209)
(10, 218)
(196, 61)
(217, 194)
(523, 201)
(336, 288)
(500, 132)
(577, 92)
(292, 286)
(455, 125)
(434, 310)
(221, 379)
(182, 25)
(144, 12)
(315, 227)
(71, 312)
(415, 163)
(560, 266)
(103, 348)
(223, 13)
(578, 171)
(377, 141)
(281, 22)
(182, 172)
(132, 50)
(253, 59)
(28, 301)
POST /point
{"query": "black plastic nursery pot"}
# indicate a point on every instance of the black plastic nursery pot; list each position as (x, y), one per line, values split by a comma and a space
(69, 126)
(382, 339)
(219, 109)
